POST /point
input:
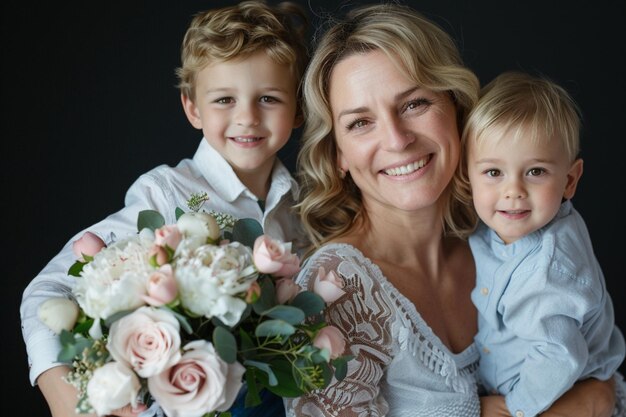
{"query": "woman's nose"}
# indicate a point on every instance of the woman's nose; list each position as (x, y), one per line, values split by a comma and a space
(397, 138)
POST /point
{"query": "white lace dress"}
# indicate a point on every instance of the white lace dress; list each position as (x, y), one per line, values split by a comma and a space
(401, 368)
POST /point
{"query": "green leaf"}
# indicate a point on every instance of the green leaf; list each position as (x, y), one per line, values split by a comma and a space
(182, 319)
(246, 231)
(341, 366)
(247, 345)
(225, 344)
(76, 269)
(272, 328)
(291, 315)
(252, 396)
(72, 346)
(309, 302)
(267, 299)
(267, 370)
(150, 219)
(178, 212)
(287, 386)
(115, 317)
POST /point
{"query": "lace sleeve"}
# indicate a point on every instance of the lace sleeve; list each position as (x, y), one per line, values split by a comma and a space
(364, 314)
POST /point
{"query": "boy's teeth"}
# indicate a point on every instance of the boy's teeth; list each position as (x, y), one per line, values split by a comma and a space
(406, 169)
(245, 140)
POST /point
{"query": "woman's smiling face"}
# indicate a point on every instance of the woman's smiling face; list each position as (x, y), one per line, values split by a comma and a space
(399, 142)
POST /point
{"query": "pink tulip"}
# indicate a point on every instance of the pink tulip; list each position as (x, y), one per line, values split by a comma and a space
(253, 293)
(159, 254)
(168, 236)
(328, 285)
(89, 244)
(332, 339)
(162, 288)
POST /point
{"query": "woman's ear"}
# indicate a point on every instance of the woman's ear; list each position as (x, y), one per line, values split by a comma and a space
(191, 111)
(573, 175)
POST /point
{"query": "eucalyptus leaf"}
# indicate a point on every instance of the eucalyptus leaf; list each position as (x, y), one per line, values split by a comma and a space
(341, 368)
(272, 328)
(225, 344)
(309, 302)
(247, 345)
(246, 231)
(116, 316)
(267, 299)
(291, 315)
(150, 219)
(178, 212)
(182, 319)
(267, 370)
(252, 395)
(287, 385)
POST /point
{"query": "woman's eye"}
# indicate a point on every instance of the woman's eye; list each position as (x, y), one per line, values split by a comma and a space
(356, 124)
(535, 172)
(417, 103)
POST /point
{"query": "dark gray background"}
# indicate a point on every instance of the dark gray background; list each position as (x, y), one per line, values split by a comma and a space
(89, 104)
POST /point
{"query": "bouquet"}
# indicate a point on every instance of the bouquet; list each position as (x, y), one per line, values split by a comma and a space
(183, 314)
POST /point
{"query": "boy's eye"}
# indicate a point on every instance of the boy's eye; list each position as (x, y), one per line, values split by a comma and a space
(535, 172)
(224, 100)
(492, 172)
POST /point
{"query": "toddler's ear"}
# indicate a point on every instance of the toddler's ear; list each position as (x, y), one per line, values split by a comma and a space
(191, 111)
(573, 175)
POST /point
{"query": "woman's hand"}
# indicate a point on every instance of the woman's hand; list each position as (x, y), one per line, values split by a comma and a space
(588, 398)
(61, 396)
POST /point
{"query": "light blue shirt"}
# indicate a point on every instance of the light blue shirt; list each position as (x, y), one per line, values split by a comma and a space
(545, 317)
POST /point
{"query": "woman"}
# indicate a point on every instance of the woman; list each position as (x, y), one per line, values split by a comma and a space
(386, 95)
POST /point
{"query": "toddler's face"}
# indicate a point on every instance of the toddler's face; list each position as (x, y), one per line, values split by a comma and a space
(246, 109)
(518, 183)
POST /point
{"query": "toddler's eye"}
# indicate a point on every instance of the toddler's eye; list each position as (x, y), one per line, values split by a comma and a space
(268, 99)
(535, 172)
(492, 172)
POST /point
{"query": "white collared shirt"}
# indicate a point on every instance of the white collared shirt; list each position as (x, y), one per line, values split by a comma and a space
(163, 189)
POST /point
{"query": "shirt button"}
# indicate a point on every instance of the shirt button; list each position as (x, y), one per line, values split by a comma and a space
(519, 413)
(486, 350)
(484, 291)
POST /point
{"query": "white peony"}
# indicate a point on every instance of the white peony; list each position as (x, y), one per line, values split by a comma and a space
(201, 225)
(212, 280)
(116, 279)
(112, 386)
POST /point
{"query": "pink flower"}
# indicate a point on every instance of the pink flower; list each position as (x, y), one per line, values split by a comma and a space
(328, 285)
(275, 257)
(286, 290)
(158, 255)
(253, 292)
(89, 244)
(162, 287)
(168, 236)
(332, 339)
(201, 382)
(147, 340)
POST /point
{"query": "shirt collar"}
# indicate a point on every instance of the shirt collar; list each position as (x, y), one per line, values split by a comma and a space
(213, 166)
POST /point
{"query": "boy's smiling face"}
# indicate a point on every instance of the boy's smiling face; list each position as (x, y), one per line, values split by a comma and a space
(246, 109)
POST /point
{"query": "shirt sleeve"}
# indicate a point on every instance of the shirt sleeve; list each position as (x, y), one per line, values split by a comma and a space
(547, 308)
(42, 345)
(363, 315)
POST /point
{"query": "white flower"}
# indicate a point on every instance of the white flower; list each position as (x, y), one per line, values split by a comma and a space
(58, 314)
(212, 280)
(116, 278)
(112, 386)
(147, 340)
(201, 224)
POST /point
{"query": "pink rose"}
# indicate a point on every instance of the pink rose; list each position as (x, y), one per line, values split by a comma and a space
(201, 382)
(332, 339)
(158, 255)
(168, 236)
(147, 340)
(162, 287)
(328, 285)
(275, 257)
(89, 244)
(286, 290)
